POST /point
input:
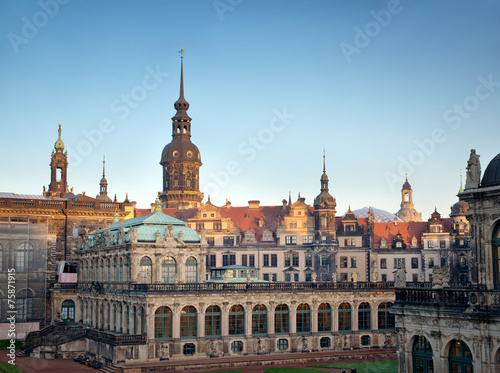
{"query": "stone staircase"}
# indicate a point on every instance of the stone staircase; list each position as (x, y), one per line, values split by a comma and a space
(111, 369)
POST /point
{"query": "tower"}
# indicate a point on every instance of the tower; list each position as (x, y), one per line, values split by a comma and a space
(407, 211)
(103, 185)
(324, 211)
(181, 160)
(58, 186)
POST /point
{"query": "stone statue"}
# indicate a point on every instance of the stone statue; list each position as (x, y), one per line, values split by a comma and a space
(314, 276)
(374, 276)
(473, 176)
(422, 276)
(334, 277)
(203, 237)
(354, 277)
(440, 277)
(169, 232)
(305, 348)
(400, 277)
(248, 277)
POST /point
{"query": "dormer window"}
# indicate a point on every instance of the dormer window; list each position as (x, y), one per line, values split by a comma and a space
(398, 244)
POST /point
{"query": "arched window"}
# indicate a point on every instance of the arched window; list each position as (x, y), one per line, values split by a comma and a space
(259, 319)
(127, 318)
(422, 356)
(189, 322)
(191, 270)
(281, 319)
(115, 271)
(109, 316)
(303, 318)
(121, 271)
(120, 311)
(364, 316)
(114, 318)
(134, 320)
(145, 270)
(460, 358)
(385, 318)
(236, 320)
(163, 324)
(168, 270)
(143, 321)
(24, 257)
(68, 311)
(324, 318)
(127, 270)
(101, 262)
(109, 270)
(213, 322)
(24, 305)
(345, 324)
(495, 243)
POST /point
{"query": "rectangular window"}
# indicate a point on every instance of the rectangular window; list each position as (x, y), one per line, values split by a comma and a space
(431, 262)
(343, 262)
(308, 239)
(430, 244)
(353, 263)
(343, 277)
(383, 263)
(200, 226)
(415, 277)
(266, 276)
(295, 259)
(225, 260)
(251, 258)
(217, 226)
(288, 262)
(309, 260)
(244, 262)
(384, 278)
(414, 263)
(274, 260)
(442, 244)
(443, 262)
(287, 277)
(399, 261)
(291, 240)
(324, 260)
(308, 277)
(273, 277)
(266, 260)
(210, 241)
(296, 277)
(232, 259)
(228, 241)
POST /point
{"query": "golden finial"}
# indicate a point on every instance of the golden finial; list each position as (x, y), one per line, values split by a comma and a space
(181, 52)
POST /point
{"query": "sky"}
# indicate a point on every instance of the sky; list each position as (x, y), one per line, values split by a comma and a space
(384, 88)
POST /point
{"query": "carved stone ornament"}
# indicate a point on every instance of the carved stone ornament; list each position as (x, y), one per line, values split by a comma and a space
(440, 277)
(400, 277)
(473, 175)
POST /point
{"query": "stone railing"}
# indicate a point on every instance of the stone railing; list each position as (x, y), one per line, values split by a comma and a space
(244, 287)
(60, 204)
(449, 297)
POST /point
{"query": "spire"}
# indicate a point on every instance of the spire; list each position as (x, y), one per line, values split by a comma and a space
(103, 166)
(289, 197)
(324, 167)
(461, 188)
(181, 105)
(59, 145)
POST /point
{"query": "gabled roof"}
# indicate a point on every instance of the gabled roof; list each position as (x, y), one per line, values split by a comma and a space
(389, 231)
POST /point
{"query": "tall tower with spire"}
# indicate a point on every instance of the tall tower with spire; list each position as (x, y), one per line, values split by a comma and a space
(324, 211)
(407, 211)
(58, 186)
(181, 160)
(103, 185)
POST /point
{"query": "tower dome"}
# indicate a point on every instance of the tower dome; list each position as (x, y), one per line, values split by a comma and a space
(491, 176)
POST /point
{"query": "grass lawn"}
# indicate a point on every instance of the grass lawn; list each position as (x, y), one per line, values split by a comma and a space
(390, 366)
(292, 370)
(8, 368)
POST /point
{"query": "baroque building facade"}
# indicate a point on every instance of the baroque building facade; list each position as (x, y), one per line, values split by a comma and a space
(446, 328)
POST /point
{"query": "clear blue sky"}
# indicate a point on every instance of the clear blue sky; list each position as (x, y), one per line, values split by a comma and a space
(366, 80)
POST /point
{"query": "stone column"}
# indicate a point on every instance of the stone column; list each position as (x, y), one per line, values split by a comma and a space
(293, 318)
(335, 317)
(314, 317)
(150, 321)
(248, 319)
(354, 316)
(270, 318)
(225, 319)
(156, 270)
(201, 320)
(176, 320)
(374, 317)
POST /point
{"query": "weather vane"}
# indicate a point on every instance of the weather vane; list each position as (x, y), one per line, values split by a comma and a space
(181, 52)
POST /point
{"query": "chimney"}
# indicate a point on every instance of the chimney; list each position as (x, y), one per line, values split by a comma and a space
(284, 204)
(396, 221)
(253, 204)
